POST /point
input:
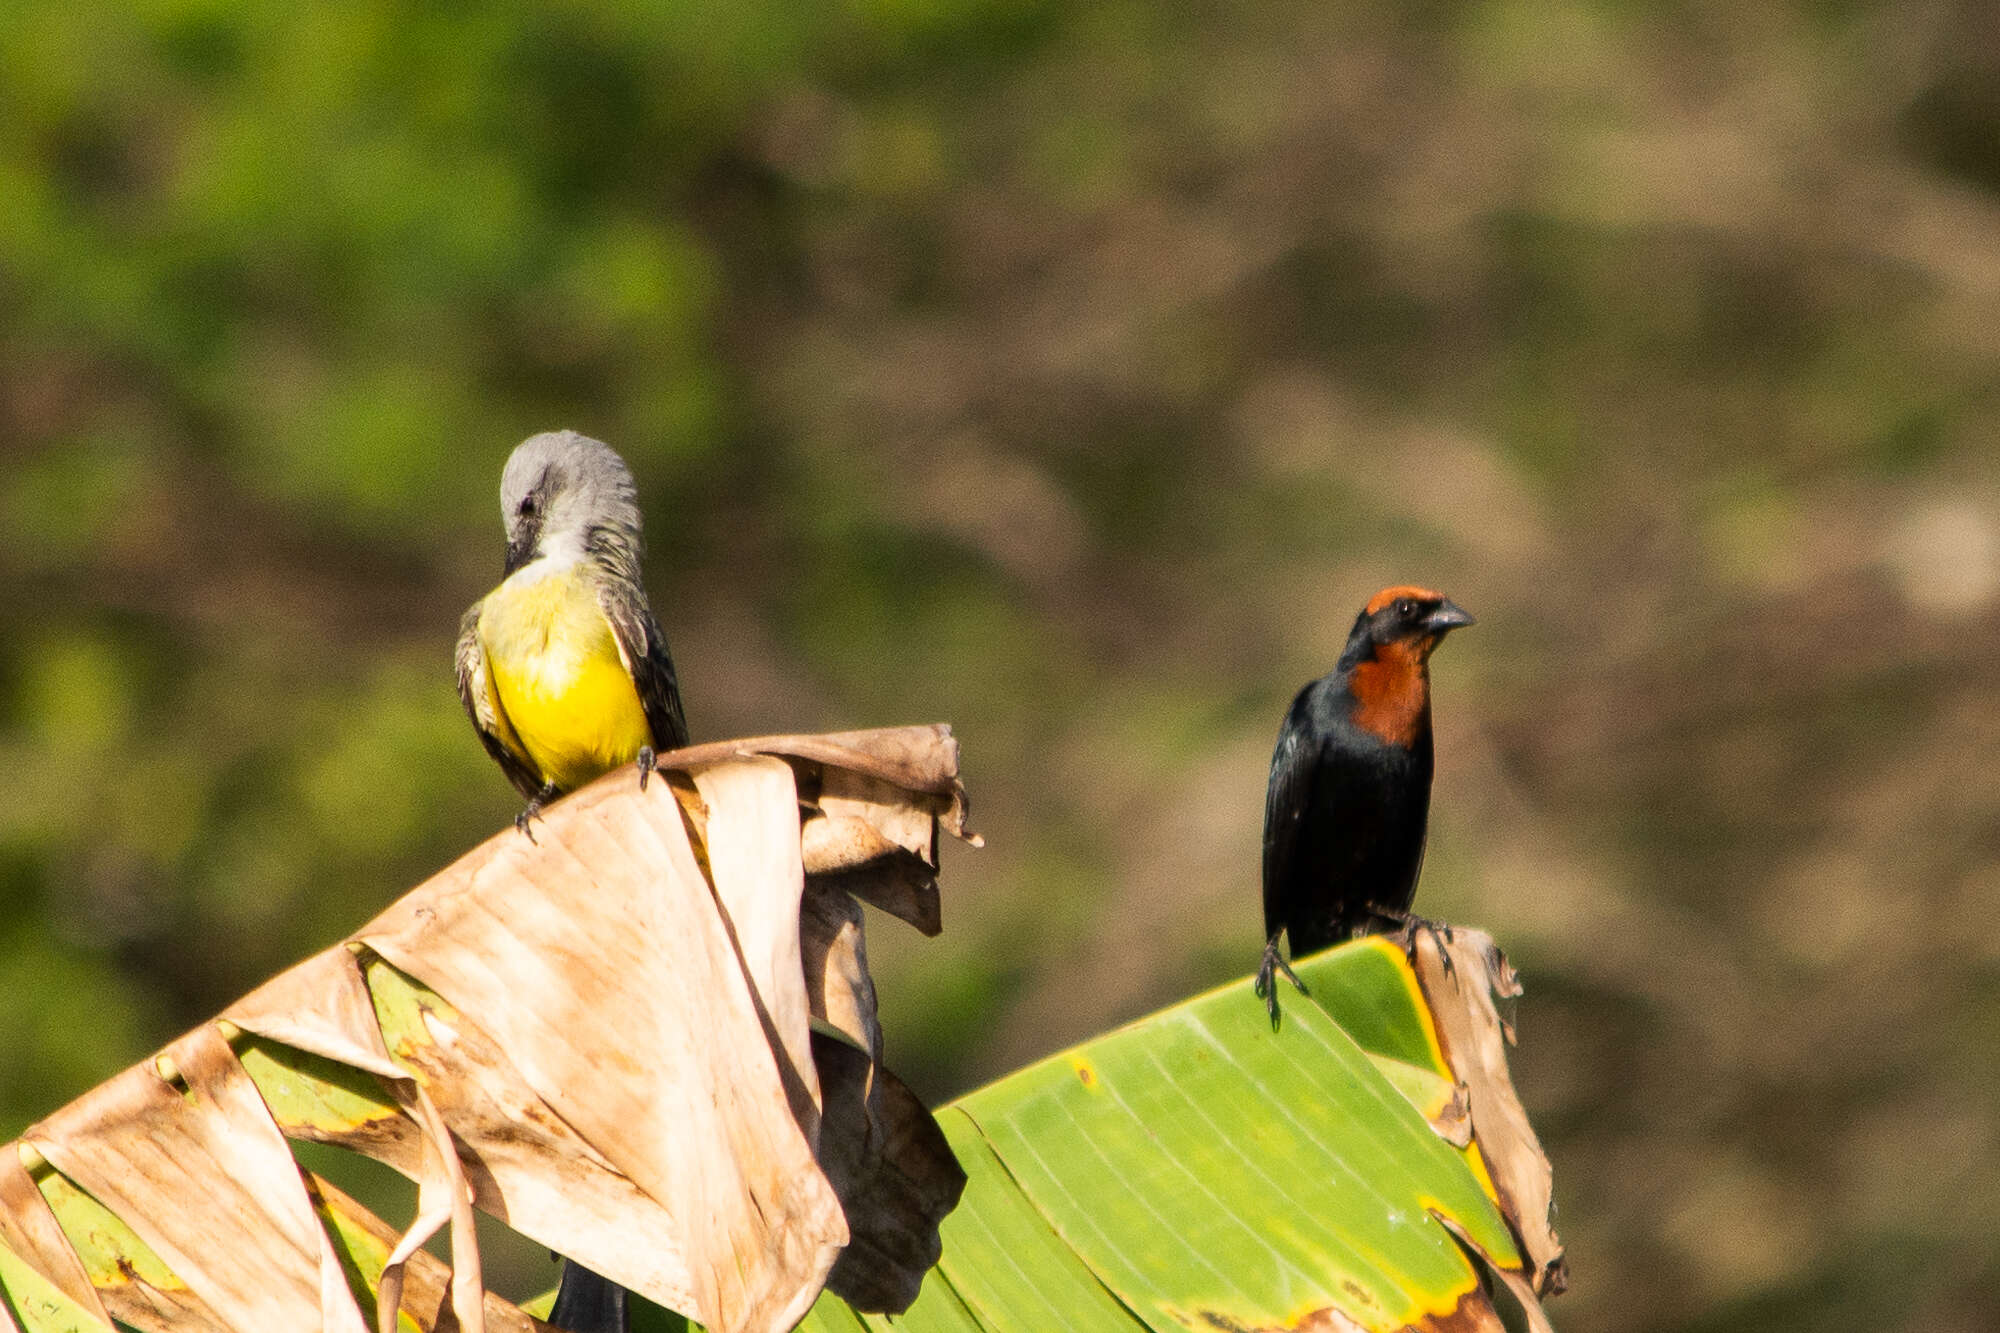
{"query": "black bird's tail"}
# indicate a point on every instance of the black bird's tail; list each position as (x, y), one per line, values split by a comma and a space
(588, 1303)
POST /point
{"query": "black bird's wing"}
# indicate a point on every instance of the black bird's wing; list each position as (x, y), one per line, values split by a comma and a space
(1288, 803)
(643, 648)
(482, 705)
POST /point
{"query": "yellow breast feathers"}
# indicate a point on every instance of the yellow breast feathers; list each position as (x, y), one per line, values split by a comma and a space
(558, 677)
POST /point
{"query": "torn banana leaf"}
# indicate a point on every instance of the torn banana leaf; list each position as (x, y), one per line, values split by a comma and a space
(608, 1035)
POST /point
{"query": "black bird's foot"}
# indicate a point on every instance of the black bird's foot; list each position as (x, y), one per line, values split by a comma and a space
(1439, 931)
(646, 757)
(1267, 980)
(533, 808)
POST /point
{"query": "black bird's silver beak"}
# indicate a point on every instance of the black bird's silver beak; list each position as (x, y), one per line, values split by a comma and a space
(1448, 616)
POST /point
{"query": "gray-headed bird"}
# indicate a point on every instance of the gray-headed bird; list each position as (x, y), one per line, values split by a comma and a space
(562, 667)
(566, 675)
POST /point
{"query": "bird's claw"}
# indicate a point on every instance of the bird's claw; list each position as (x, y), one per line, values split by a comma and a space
(1439, 931)
(646, 758)
(1267, 980)
(534, 808)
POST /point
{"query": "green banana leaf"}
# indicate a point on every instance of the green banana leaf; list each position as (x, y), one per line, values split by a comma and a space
(1197, 1169)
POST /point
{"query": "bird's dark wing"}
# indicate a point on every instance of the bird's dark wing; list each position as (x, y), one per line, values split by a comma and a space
(475, 691)
(1287, 804)
(587, 1303)
(643, 648)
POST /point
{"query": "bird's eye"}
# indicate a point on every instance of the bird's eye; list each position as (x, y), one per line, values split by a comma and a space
(528, 507)
(1405, 607)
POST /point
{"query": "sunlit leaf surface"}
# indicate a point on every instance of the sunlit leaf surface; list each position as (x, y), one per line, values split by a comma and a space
(1197, 1169)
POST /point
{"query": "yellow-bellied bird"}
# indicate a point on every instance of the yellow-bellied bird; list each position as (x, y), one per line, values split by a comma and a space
(566, 674)
(562, 667)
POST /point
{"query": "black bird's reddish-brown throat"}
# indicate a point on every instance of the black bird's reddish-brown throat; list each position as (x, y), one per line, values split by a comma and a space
(1392, 686)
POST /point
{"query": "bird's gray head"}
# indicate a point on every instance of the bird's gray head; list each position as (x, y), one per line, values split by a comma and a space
(557, 487)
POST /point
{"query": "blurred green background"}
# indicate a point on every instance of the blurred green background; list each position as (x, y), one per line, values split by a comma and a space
(1072, 373)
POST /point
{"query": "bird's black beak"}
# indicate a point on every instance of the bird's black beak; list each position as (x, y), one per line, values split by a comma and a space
(519, 553)
(523, 542)
(1448, 616)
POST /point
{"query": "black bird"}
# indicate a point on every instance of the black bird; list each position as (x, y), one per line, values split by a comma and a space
(1350, 792)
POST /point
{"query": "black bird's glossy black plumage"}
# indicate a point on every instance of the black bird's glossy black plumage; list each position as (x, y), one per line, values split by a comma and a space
(1348, 804)
(1344, 821)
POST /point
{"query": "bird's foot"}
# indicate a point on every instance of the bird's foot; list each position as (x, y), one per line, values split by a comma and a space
(1439, 931)
(646, 758)
(534, 808)
(1267, 979)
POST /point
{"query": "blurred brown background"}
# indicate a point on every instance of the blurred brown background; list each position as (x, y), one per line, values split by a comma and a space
(1072, 374)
